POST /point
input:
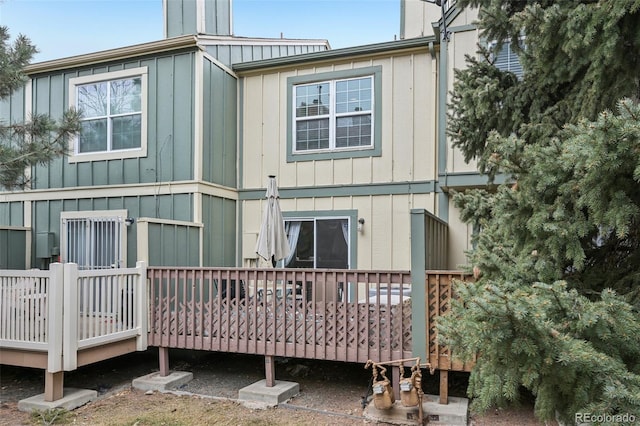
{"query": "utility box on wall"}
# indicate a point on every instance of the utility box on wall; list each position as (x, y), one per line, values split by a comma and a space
(45, 245)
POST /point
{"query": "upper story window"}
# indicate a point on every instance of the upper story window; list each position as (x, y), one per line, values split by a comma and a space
(335, 115)
(113, 107)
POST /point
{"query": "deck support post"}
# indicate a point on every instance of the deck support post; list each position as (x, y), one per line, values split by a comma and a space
(270, 371)
(395, 379)
(164, 361)
(444, 387)
(53, 386)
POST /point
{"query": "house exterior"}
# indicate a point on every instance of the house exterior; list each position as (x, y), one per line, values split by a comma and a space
(180, 135)
(153, 174)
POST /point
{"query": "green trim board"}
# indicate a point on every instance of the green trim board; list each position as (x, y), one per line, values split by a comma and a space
(418, 267)
(468, 180)
(323, 214)
(399, 188)
(402, 18)
(375, 151)
(462, 28)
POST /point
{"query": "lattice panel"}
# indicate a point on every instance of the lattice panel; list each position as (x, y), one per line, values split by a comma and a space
(257, 323)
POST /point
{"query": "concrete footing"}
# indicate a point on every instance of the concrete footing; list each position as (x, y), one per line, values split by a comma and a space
(455, 413)
(156, 382)
(273, 395)
(71, 398)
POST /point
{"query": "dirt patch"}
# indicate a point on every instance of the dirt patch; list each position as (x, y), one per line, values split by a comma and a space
(331, 393)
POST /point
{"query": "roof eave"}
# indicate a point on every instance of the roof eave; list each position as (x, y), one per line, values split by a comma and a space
(165, 45)
(350, 52)
(207, 39)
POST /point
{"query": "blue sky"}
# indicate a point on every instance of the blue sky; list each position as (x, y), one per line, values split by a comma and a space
(61, 28)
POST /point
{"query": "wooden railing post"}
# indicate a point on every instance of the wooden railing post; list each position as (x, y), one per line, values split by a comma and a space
(142, 306)
(70, 317)
(55, 333)
(54, 375)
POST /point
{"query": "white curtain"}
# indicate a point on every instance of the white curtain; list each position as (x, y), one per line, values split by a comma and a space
(345, 231)
(293, 232)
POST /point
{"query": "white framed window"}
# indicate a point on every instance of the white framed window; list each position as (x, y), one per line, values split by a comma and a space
(94, 239)
(321, 242)
(114, 115)
(333, 115)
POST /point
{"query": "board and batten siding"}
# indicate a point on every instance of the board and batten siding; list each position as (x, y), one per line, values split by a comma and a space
(170, 129)
(230, 53)
(385, 239)
(462, 41)
(47, 213)
(12, 108)
(219, 125)
(197, 17)
(381, 188)
(219, 232)
(408, 127)
(12, 214)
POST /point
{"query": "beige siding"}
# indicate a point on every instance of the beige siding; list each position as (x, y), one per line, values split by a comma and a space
(461, 44)
(466, 16)
(418, 16)
(459, 238)
(385, 240)
(408, 128)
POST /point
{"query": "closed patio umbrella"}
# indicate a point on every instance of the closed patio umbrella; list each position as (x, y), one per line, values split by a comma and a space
(272, 241)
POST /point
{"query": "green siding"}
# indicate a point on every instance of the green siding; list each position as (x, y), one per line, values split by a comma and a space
(46, 214)
(11, 214)
(218, 17)
(219, 219)
(183, 118)
(219, 126)
(181, 17)
(418, 267)
(173, 245)
(170, 125)
(235, 54)
(12, 248)
(12, 107)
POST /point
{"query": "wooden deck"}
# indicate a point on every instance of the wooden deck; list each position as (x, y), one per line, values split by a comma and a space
(64, 318)
(316, 314)
(349, 315)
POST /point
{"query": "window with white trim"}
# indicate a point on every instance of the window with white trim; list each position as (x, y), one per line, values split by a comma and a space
(113, 107)
(318, 242)
(95, 239)
(333, 115)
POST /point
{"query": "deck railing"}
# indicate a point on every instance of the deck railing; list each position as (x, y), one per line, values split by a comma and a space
(345, 315)
(28, 319)
(105, 306)
(63, 310)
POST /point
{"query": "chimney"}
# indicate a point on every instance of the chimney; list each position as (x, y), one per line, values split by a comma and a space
(182, 17)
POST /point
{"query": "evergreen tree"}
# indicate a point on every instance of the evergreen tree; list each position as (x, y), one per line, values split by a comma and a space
(555, 307)
(37, 141)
